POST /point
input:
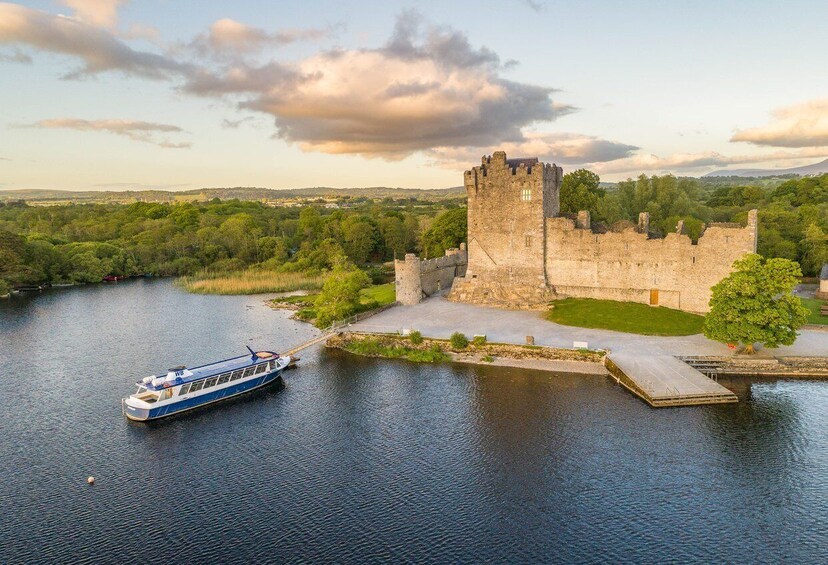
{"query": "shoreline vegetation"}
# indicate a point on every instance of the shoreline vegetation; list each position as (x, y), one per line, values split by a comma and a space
(430, 350)
(250, 281)
(304, 306)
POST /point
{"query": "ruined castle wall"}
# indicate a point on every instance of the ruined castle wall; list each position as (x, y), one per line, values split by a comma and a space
(415, 278)
(629, 266)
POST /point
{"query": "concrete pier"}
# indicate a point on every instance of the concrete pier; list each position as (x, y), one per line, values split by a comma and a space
(663, 380)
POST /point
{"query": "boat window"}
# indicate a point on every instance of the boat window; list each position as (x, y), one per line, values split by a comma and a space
(261, 368)
(141, 389)
(272, 363)
(236, 375)
(210, 382)
(248, 371)
(224, 378)
(184, 388)
(196, 386)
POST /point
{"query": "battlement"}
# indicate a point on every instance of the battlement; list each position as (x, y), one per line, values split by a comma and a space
(415, 278)
(717, 230)
(498, 165)
(672, 271)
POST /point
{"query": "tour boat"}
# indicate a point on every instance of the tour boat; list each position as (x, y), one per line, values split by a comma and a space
(186, 388)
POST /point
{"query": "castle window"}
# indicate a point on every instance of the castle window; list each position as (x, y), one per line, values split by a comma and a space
(528, 241)
(526, 195)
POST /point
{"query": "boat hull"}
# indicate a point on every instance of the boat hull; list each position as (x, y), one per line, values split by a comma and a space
(156, 413)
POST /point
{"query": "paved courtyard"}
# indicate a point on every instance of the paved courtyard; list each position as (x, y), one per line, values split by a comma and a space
(437, 317)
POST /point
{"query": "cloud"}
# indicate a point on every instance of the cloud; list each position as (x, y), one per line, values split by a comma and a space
(234, 124)
(560, 148)
(15, 56)
(102, 13)
(4, 159)
(229, 38)
(801, 125)
(689, 162)
(98, 49)
(368, 101)
(133, 129)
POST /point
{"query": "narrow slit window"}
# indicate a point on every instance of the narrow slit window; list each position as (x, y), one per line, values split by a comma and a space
(528, 241)
(526, 195)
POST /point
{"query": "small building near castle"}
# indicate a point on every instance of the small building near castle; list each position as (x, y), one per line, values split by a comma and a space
(522, 254)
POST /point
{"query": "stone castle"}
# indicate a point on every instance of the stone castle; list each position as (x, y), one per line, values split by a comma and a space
(522, 254)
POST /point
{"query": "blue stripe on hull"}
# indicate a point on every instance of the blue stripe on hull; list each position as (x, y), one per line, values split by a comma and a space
(197, 401)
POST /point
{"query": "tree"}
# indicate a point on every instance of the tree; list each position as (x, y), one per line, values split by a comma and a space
(579, 191)
(814, 250)
(340, 293)
(448, 230)
(755, 304)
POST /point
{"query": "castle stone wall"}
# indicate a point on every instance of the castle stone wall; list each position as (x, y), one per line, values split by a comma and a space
(415, 278)
(509, 201)
(629, 266)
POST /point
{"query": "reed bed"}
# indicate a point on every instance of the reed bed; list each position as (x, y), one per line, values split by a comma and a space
(250, 282)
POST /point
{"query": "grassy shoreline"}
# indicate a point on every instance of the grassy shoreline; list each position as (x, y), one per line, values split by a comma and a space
(375, 296)
(250, 282)
(431, 350)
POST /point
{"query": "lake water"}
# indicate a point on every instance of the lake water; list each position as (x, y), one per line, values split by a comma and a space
(361, 460)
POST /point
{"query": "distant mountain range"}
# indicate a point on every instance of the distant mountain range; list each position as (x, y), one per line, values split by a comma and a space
(815, 169)
(240, 193)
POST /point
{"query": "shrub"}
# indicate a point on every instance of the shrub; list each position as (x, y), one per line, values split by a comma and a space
(415, 337)
(488, 359)
(479, 340)
(459, 341)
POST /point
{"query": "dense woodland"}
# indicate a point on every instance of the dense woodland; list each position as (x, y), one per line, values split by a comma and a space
(75, 243)
(78, 243)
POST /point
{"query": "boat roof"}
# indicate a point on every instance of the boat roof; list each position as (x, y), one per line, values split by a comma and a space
(212, 369)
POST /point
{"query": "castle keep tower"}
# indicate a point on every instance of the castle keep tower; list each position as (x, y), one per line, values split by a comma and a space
(509, 201)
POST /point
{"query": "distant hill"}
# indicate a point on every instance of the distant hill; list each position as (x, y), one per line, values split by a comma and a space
(240, 193)
(815, 169)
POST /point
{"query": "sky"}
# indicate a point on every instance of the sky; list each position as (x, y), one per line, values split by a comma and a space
(180, 94)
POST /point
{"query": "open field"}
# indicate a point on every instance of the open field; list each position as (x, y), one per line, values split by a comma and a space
(629, 317)
(250, 282)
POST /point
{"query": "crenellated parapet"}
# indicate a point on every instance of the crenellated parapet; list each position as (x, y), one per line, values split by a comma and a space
(417, 278)
(672, 271)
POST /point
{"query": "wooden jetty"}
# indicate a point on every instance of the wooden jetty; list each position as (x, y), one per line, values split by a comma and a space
(663, 380)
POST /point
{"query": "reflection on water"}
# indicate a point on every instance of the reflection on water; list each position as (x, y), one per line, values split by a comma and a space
(363, 460)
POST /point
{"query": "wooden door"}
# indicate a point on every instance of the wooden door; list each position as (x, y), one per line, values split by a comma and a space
(654, 297)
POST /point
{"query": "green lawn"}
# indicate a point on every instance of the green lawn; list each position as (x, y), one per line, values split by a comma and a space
(813, 305)
(629, 317)
(370, 298)
(382, 294)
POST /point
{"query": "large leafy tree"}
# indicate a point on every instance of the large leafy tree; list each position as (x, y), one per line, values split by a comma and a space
(755, 304)
(448, 230)
(340, 293)
(580, 191)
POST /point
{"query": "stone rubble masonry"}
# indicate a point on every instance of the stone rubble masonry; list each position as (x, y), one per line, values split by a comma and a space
(822, 291)
(629, 266)
(415, 278)
(509, 202)
(522, 255)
